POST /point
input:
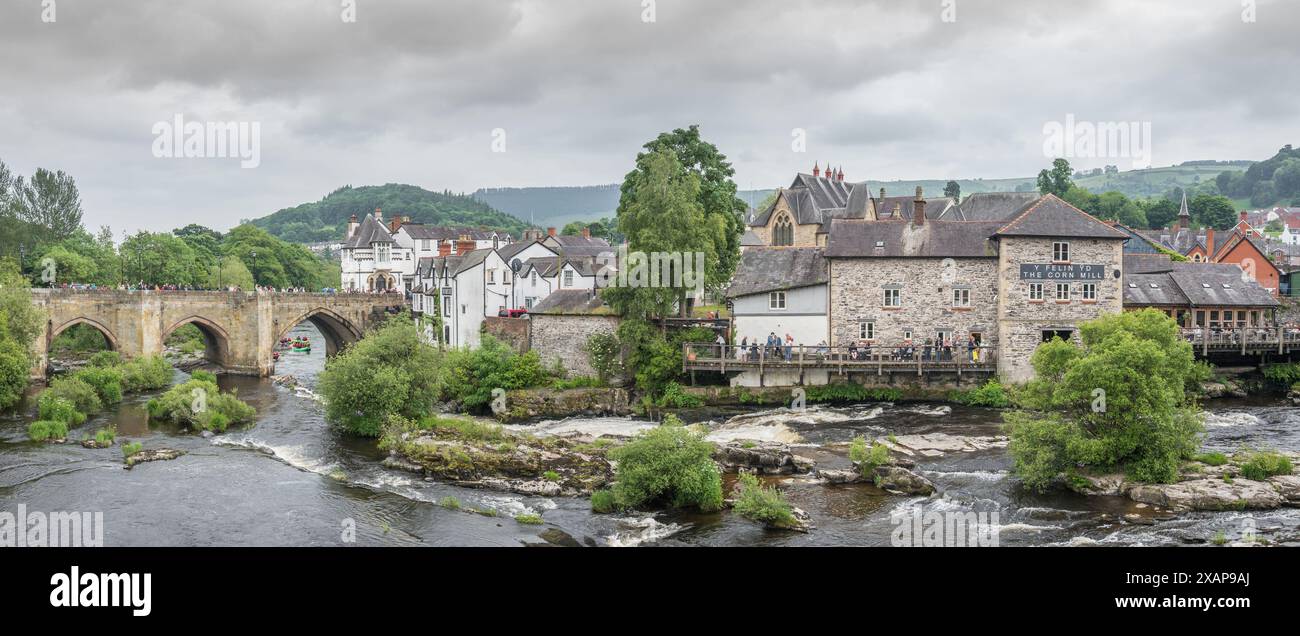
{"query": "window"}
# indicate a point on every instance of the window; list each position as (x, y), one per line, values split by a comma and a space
(464, 309)
(532, 278)
(1035, 291)
(1089, 291)
(424, 245)
(893, 298)
(1063, 292)
(776, 300)
(568, 278)
(867, 330)
(1060, 252)
(528, 303)
(491, 275)
(446, 306)
(783, 231)
(961, 298)
(382, 252)
(907, 334)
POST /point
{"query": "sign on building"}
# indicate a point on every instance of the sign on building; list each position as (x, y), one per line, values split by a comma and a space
(1056, 271)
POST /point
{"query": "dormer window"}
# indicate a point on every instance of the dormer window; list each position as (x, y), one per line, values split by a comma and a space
(1060, 252)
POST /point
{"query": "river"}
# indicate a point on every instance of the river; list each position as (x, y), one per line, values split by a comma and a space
(292, 480)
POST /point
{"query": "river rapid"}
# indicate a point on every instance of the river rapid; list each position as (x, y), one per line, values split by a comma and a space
(291, 480)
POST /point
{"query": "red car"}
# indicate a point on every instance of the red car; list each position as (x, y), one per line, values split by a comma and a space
(512, 313)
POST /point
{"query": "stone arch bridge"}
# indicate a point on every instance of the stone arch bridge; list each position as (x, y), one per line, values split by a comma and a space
(241, 329)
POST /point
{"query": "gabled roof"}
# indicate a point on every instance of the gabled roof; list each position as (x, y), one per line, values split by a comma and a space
(1050, 216)
(571, 245)
(895, 238)
(511, 250)
(370, 231)
(817, 200)
(572, 302)
(1152, 289)
(905, 207)
(1195, 284)
(420, 231)
(765, 269)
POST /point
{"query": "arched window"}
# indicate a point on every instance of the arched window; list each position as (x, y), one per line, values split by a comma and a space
(783, 232)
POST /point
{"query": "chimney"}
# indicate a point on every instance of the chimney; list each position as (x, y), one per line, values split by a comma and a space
(465, 244)
(586, 232)
(394, 225)
(444, 247)
(918, 209)
(379, 215)
(817, 171)
(352, 226)
(840, 174)
(1209, 244)
(1242, 216)
(550, 231)
(882, 194)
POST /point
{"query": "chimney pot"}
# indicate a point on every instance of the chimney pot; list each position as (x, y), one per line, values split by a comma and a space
(586, 232)
(550, 231)
(882, 194)
(379, 215)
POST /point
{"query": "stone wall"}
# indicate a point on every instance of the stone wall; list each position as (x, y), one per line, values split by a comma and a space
(512, 331)
(857, 294)
(564, 337)
(1021, 322)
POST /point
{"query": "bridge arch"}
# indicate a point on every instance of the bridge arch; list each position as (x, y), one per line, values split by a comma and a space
(215, 338)
(338, 331)
(54, 332)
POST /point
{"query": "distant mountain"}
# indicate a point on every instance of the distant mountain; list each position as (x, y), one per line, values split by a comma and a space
(327, 219)
(557, 206)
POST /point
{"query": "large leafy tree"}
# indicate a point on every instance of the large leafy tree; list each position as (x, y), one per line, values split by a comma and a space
(20, 324)
(1213, 210)
(661, 212)
(723, 210)
(1118, 402)
(50, 200)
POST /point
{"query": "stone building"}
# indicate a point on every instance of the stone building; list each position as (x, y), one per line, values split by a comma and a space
(1011, 283)
(560, 325)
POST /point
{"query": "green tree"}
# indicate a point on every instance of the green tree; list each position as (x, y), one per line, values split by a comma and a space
(1210, 210)
(952, 189)
(20, 323)
(1159, 212)
(158, 258)
(1057, 180)
(1118, 402)
(229, 272)
(660, 211)
(1286, 179)
(50, 200)
(723, 210)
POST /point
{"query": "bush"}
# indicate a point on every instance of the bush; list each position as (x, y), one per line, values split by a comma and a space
(529, 519)
(605, 355)
(206, 376)
(470, 375)
(105, 437)
(675, 397)
(1118, 402)
(667, 464)
(131, 448)
(47, 430)
(15, 372)
(604, 501)
(991, 395)
(106, 359)
(201, 404)
(450, 503)
(1212, 459)
(390, 372)
(844, 392)
(145, 374)
(868, 458)
(765, 505)
(51, 407)
(106, 381)
(1283, 374)
(1264, 464)
(75, 390)
(583, 382)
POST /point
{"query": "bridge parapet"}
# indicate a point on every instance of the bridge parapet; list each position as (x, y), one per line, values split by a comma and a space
(241, 328)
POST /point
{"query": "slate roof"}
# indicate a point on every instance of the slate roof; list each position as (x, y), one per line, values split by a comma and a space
(1049, 216)
(989, 206)
(369, 231)
(904, 207)
(766, 269)
(750, 239)
(570, 245)
(572, 302)
(817, 200)
(1196, 285)
(934, 239)
(509, 251)
(434, 232)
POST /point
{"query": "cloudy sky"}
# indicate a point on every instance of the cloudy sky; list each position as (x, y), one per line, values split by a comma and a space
(413, 90)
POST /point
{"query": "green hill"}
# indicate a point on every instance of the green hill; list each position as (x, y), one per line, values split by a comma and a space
(327, 219)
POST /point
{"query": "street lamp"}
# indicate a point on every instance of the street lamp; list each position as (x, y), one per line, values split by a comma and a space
(254, 272)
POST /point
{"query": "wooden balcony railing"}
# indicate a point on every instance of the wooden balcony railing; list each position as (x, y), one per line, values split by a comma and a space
(958, 358)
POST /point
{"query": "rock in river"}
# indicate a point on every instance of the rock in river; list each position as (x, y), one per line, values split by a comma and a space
(152, 455)
(769, 458)
(1209, 494)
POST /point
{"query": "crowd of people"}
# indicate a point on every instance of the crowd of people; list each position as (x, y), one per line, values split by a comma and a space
(775, 347)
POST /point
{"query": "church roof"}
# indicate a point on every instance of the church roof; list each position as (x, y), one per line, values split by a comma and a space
(370, 231)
